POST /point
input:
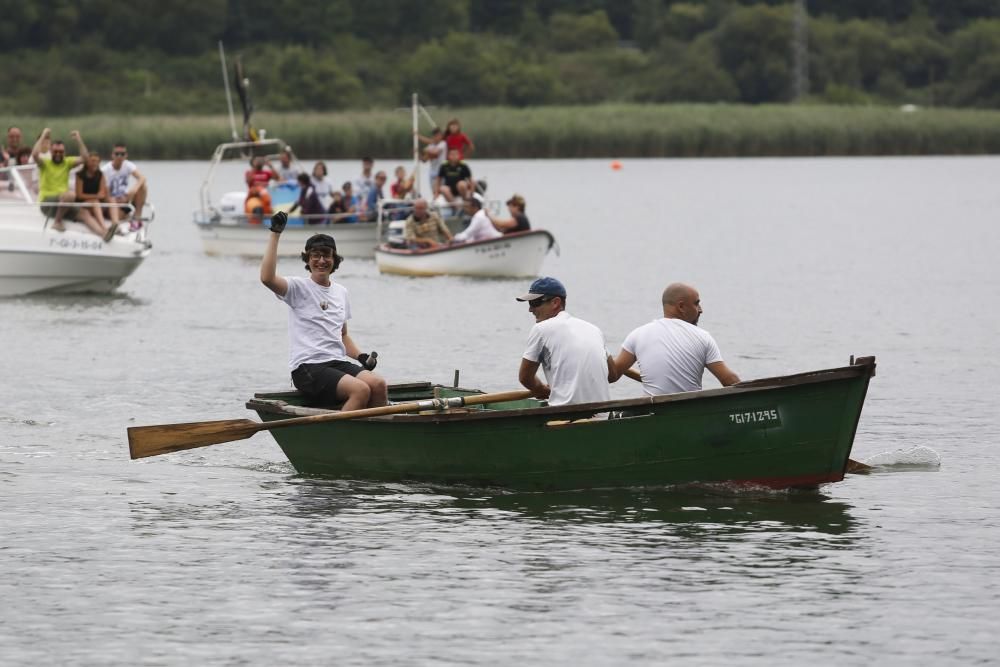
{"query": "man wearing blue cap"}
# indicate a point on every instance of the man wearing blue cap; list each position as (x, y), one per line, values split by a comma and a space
(572, 353)
(321, 353)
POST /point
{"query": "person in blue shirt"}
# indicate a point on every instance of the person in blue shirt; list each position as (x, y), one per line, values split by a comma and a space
(374, 196)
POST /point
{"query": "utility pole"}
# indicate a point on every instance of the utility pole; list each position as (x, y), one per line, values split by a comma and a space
(800, 50)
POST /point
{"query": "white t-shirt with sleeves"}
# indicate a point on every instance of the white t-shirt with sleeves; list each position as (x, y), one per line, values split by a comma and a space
(574, 357)
(672, 355)
(118, 178)
(316, 320)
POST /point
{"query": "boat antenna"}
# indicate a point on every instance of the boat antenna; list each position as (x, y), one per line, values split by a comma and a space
(242, 84)
(229, 97)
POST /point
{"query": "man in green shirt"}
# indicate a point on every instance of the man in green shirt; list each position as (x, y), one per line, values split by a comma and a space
(53, 173)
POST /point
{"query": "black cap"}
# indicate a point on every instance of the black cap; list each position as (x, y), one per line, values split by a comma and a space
(317, 240)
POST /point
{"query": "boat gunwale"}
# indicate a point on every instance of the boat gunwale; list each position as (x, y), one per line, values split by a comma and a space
(864, 367)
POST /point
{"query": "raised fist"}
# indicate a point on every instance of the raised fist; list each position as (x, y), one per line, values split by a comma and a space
(278, 222)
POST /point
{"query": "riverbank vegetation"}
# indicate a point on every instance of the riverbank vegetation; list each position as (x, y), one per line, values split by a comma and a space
(614, 130)
(62, 57)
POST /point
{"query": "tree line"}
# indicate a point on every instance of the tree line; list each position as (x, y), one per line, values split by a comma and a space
(63, 57)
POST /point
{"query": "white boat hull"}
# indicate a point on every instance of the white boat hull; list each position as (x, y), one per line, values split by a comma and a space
(517, 255)
(35, 258)
(354, 239)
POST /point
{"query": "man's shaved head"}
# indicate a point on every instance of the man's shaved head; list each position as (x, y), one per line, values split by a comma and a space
(675, 292)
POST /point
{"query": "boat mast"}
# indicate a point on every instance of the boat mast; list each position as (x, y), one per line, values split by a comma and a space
(229, 98)
(416, 146)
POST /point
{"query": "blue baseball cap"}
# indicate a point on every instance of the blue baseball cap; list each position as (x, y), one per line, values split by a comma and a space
(544, 287)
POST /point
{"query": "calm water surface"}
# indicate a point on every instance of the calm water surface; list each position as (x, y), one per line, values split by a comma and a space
(223, 555)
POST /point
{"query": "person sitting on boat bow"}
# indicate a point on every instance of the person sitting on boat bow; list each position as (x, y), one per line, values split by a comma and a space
(572, 352)
(321, 352)
(673, 352)
(131, 199)
(480, 228)
(454, 178)
(53, 174)
(425, 228)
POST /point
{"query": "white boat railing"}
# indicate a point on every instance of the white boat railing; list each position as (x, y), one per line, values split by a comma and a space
(238, 150)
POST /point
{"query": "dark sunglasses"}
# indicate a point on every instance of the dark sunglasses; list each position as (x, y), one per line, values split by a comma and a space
(122, 153)
(535, 303)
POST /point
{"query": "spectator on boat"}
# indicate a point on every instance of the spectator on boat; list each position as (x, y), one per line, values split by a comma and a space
(517, 222)
(364, 183)
(309, 202)
(349, 203)
(434, 154)
(287, 173)
(258, 204)
(374, 197)
(454, 178)
(322, 353)
(480, 228)
(53, 174)
(455, 138)
(260, 173)
(403, 185)
(324, 188)
(92, 190)
(673, 352)
(572, 352)
(132, 198)
(12, 148)
(425, 228)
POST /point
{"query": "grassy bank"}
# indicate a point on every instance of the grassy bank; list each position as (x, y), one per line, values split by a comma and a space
(682, 130)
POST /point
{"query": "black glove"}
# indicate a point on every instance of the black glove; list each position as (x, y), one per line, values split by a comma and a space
(368, 361)
(278, 222)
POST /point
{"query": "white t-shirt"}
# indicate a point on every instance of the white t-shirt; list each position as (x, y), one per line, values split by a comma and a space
(672, 355)
(435, 162)
(574, 356)
(118, 178)
(362, 186)
(316, 321)
(480, 229)
(324, 189)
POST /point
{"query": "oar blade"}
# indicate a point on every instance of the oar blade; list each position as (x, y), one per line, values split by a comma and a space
(165, 438)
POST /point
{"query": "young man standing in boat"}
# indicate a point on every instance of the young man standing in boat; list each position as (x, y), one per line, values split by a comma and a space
(572, 352)
(321, 352)
(673, 352)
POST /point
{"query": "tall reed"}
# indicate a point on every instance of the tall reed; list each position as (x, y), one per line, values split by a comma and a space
(619, 130)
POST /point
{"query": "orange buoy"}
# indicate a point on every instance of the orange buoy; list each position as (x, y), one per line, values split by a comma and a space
(616, 165)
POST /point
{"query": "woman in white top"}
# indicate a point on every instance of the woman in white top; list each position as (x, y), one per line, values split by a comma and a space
(323, 187)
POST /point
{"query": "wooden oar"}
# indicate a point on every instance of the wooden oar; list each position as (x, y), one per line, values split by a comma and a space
(852, 465)
(165, 438)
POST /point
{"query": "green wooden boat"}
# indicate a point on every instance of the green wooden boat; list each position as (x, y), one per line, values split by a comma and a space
(793, 431)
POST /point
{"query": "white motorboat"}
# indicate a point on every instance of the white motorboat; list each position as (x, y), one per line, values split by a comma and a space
(35, 258)
(226, 228)
(516, 255)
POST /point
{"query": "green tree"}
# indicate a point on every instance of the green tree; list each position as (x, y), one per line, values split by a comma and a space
(754, 46)
(581, 32)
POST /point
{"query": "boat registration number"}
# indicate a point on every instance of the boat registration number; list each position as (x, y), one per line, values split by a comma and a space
(767, 417)
(77, 244)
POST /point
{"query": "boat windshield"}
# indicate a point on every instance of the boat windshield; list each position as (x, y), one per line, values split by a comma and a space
(19, 184)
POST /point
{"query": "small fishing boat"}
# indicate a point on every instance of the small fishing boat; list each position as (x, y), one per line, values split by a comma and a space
(793, 431)
(35, 258)
(515, 255)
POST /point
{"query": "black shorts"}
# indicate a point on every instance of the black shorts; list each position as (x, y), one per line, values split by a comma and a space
(318, 382)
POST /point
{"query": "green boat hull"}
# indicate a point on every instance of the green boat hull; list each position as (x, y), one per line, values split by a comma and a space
(787, 432)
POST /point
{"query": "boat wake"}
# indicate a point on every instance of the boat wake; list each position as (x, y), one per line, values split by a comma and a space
(913, 458)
